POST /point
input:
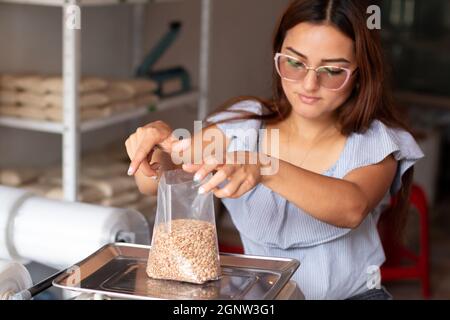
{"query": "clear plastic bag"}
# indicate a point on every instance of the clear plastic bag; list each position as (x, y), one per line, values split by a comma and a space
(184, 242)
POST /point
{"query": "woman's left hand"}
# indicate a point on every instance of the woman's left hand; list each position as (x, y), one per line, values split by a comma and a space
(241, 169)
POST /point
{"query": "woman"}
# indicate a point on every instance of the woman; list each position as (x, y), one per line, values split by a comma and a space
(343, 150)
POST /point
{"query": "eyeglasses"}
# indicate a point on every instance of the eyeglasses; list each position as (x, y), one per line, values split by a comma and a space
(330, 77)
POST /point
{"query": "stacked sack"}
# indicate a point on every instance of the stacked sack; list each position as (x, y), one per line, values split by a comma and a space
(103, 181)
(40, 97)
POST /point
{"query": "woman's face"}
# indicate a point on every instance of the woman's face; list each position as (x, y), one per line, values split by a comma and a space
(317, 45)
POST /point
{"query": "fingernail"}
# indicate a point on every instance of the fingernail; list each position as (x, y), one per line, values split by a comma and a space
(130, 171)
(154, 177)
(155, 166)
(201, 190)
(197, 177)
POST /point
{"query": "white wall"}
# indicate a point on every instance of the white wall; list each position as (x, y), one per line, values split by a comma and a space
(240, 57)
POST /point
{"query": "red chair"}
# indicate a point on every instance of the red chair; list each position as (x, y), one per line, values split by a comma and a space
(231, 249)
(418, 264)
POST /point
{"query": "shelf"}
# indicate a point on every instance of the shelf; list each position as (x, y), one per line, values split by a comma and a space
(69, 129)
(28, 124)
(60, 3)
(55, 127)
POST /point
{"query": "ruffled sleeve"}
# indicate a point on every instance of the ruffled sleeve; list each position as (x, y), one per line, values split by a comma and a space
(377, 143)
(242, 133)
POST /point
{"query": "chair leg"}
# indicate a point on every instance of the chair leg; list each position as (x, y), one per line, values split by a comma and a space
(419, 200)
(426, 285)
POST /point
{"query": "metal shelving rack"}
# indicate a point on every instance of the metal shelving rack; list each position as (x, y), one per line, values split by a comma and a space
(71, 128)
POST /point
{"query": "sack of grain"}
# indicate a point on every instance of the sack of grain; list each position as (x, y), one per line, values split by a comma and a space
(88, 100)
(19, 82)
(8, 97)
(135, 87)
(15, 177)
(184, 242)
(31, 82)
(55, 85)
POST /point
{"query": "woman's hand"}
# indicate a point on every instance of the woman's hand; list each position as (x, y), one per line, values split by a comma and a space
(140, 146)
(242, 170)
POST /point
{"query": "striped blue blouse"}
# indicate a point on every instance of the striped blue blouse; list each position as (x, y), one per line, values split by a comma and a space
(334, 261)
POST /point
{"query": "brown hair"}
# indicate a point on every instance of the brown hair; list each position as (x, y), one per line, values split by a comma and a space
(371, 99)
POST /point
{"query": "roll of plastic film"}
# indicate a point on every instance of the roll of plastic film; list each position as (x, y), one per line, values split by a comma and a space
(14, 277)
(10, 200)
(59, 234)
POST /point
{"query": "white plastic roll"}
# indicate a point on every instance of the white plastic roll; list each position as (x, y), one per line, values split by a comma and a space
(10, 200)
(60, 234)
(14, 278)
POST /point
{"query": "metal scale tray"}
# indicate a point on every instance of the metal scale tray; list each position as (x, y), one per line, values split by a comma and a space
(119, 271)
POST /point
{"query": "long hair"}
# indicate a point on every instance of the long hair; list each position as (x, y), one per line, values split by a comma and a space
(370, 99)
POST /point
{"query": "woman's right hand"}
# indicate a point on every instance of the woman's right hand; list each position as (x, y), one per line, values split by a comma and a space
(140, 146)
